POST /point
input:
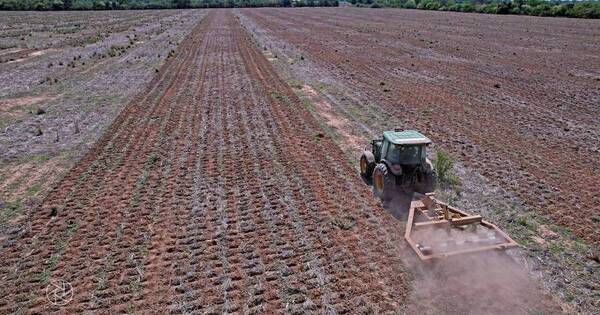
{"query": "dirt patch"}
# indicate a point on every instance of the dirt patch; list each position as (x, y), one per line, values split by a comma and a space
(341, 124)
(87, 83)
(269, 55)
(11, 51)
(33, 54)
(8, 104)
(21, 180)
(38, 53)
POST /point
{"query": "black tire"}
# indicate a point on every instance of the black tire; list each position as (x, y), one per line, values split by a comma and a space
(367, 164)
(428, 180)
(383, 182)
(427, 185)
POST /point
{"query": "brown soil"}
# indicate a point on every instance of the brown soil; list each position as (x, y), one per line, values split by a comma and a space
(216, 190)
(564, 263)
(81, 68)
(26, 175)
(211, 192)
(514, 98)
(8, 104)
(341, 124)
(30, 54)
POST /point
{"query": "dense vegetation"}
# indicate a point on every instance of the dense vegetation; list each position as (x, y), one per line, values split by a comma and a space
(45, 5)
(526, 7)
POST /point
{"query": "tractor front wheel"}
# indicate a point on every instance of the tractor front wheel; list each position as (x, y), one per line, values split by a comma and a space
(383, 182)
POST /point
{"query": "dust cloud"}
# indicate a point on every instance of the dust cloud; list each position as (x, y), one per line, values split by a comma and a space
(483, 283)
(489, 282)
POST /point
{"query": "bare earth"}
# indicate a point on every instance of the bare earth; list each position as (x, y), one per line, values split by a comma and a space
(513, 99)
(64, 76)
(213, 191)
(201, 161)
(516, 98)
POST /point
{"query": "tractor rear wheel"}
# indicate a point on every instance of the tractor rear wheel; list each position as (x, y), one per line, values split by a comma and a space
(427, 180)
(383, 182)
(427, 185)
(367, 164)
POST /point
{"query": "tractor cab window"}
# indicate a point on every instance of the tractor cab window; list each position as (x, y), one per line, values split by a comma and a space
(384, 147)
(403, 154)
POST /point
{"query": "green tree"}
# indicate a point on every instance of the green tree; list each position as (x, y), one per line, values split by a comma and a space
(410, 4)
(182, 4)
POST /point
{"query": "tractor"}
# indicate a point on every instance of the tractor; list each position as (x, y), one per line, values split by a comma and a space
(398, 161)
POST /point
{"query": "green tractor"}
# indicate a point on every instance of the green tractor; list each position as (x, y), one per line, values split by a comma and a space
(399, 160)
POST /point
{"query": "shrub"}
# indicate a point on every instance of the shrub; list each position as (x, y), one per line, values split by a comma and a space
(504, 8)
(466, 7)
(396, 3)
(585, 10)
(559, 10)
(528, 7)
(442, 165)
(432, 5)
(535, 3)
(410, 4)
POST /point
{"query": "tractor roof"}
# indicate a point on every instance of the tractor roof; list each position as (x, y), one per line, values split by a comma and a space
(406, 137)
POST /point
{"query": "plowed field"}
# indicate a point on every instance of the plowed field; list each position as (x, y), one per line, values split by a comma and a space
(514, 98)
(213, 191)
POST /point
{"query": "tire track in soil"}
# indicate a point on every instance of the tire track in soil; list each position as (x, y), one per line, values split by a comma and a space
(118, 182)
(491, 124)
(210, 192)
(328, 167)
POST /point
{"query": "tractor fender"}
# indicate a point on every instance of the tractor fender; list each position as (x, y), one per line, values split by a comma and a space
(428, 167)
(369, 156)
(367, 165)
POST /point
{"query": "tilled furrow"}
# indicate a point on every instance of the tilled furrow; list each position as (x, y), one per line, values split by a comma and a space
(288, 112)
(211, 193)
(485, 104)
(81, 207)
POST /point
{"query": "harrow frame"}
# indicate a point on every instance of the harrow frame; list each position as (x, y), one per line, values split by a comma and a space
(440, 215)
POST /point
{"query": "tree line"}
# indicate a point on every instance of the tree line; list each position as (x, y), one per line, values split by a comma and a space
(51, 5)
(577, 9)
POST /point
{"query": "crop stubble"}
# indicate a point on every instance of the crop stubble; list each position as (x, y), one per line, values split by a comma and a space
(515, 98)
(214, 191)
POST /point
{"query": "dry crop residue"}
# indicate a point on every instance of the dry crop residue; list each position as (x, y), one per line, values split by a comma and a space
(341, 124)
(210, 192)
(503, 93)
(84, 67)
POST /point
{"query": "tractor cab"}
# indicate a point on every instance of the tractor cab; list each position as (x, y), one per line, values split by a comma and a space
(398, 159)
(401, 150)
